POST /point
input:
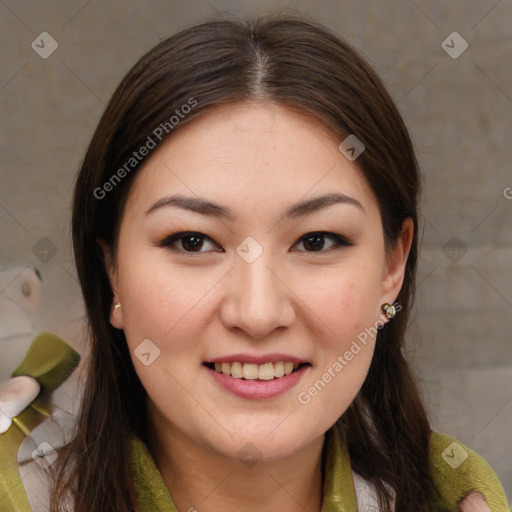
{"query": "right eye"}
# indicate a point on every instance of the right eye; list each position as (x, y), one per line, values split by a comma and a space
(190, 241)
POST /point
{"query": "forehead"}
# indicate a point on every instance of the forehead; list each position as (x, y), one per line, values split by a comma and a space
(248, 153)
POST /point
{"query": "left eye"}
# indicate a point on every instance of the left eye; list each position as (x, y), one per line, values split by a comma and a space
(193, 241)
(315, 241)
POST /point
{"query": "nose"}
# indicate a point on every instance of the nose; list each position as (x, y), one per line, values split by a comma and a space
(258, 300)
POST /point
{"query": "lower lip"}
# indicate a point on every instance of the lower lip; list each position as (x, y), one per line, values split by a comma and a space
(258, 389)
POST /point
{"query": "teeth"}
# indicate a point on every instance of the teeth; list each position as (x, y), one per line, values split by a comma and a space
(266, 371)
(279, 369)
(237, 370)
(252, 371)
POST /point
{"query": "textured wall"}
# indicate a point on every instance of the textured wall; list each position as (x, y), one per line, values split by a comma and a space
(458, 108)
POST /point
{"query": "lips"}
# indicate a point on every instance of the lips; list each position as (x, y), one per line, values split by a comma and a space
(257, 388)
(262, 368)
(252, 371)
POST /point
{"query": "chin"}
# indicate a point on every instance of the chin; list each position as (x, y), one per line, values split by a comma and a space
(266, 444)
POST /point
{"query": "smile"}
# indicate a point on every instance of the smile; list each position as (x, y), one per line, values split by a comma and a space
(256, 380)
(253, 371)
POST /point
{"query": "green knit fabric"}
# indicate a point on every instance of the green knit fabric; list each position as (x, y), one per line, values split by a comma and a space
(458, 470)
(49, 360)
(13, 497)
(473, 474)
(153, 495)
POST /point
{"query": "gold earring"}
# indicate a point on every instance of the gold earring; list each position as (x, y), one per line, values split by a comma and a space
(389, 310)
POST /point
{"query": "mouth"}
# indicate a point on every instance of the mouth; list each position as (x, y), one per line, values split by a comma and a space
(256, 372)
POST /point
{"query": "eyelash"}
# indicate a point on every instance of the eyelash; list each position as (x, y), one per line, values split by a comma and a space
(168, 241)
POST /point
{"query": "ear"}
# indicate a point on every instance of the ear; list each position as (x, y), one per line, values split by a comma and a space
(116, 314)
(394, 269)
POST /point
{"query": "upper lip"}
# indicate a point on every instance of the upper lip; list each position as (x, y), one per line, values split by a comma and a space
(260, 359)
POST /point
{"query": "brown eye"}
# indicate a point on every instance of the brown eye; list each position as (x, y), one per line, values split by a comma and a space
(315, 242)
(187, 242)
(192, 243)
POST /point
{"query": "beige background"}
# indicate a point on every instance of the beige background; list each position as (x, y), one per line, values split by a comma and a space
(459, 113)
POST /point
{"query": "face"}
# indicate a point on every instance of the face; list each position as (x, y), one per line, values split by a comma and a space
(221, 301)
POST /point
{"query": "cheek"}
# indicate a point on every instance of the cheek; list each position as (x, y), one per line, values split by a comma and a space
(343, 363)
(160, 304)
(347, 304)
(345, 299)
(169, 309)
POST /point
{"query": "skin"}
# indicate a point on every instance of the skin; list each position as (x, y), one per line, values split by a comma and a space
(258, 159)
(474, 502)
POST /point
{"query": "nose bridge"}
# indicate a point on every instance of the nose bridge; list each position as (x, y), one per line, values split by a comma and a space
(257, 279)
(258, 301)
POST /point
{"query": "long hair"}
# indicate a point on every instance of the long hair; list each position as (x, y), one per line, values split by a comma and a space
(302, 65)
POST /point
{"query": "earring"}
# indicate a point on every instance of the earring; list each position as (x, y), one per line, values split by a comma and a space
(117, 305)
(389, 310)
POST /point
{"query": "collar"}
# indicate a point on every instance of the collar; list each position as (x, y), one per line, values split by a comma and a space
(339, 492)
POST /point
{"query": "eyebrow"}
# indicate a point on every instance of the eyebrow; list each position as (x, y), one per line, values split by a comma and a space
(204, 207)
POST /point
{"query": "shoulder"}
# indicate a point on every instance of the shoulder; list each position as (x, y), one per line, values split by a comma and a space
(458, 470)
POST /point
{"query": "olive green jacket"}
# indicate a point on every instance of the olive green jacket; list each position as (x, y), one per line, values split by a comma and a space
(345, 491)
(31, 443)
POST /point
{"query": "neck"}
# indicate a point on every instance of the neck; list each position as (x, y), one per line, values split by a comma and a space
(204, 480)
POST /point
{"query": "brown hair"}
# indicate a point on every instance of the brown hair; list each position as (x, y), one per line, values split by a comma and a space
(298, 63)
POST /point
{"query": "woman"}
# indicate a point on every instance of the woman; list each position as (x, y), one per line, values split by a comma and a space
(245, 230)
